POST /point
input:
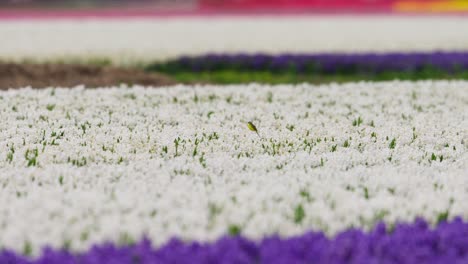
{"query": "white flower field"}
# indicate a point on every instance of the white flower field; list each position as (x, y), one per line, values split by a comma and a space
(146, 40)
(82, 166)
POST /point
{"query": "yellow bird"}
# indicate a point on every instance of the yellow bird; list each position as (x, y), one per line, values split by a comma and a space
(252, 127)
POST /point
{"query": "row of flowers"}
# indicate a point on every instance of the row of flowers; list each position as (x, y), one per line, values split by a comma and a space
(145, 40)
(345, 63)
(402, 244)
(82, 166)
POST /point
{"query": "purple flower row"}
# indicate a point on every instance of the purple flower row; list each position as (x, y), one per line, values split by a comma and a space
(405, 243)
(372, 63)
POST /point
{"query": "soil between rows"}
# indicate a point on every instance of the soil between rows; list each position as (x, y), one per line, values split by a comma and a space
(15, 75)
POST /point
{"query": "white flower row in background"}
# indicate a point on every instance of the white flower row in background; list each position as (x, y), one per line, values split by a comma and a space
(81, 166)
(143, 40)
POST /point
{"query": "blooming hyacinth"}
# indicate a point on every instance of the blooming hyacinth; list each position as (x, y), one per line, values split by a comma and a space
(347, 63)
(128, 41)
(84, 166)
(405, 243)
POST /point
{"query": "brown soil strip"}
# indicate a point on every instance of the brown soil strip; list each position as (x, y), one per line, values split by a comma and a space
(14, 75)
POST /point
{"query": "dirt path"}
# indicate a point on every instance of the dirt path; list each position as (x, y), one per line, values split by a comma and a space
(66, 75)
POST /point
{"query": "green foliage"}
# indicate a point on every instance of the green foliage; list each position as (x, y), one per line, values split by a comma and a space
(27, 248)
(346, 144)
(31, 157)
(234, 230)
(299, 214)
(242, 76)
(357, 122)
(442, 217)
(50, 107)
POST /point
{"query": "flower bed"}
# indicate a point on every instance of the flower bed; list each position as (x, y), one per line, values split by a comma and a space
(85, 166)
(323, 64)
(406, 243)
(140, 40)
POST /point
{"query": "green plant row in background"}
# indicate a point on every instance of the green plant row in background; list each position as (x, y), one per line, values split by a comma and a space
(233, 77)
